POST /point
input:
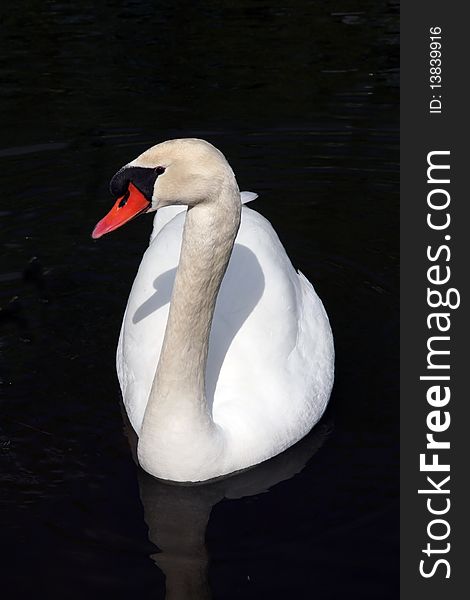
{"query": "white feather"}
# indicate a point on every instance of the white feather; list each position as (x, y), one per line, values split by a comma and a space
(270, 361)
(270, 365)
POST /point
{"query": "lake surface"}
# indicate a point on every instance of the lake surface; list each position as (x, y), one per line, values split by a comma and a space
(302, 98)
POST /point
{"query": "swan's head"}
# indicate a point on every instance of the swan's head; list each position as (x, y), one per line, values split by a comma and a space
(183, 171)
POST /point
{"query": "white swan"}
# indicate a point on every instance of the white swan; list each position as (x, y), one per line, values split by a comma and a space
(226, 355)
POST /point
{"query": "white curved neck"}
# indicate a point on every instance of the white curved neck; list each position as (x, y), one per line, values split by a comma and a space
(177, 409)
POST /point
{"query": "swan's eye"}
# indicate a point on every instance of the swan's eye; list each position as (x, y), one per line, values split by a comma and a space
(159, 170)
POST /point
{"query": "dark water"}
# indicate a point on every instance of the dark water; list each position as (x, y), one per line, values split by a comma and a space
(302, 99)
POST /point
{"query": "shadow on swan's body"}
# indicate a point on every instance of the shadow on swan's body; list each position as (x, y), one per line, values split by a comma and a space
(223, 329)
(225, 357)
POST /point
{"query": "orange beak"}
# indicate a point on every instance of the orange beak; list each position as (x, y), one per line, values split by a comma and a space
(127, 207)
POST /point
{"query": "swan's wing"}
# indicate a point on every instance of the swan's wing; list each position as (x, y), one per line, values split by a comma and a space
(144, 322)
(270, 362)
(164, 216)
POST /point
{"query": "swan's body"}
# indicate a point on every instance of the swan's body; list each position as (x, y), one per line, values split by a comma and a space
(231, 395)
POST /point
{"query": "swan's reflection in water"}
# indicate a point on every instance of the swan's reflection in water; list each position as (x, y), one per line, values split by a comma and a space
(177, 518)
(177, 515)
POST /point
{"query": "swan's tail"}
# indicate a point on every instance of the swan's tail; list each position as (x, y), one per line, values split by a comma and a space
(247, 197)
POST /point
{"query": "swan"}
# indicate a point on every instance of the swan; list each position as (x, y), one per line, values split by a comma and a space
(225, 356)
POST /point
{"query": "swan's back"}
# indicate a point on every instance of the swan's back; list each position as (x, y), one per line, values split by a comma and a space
(270, 363)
